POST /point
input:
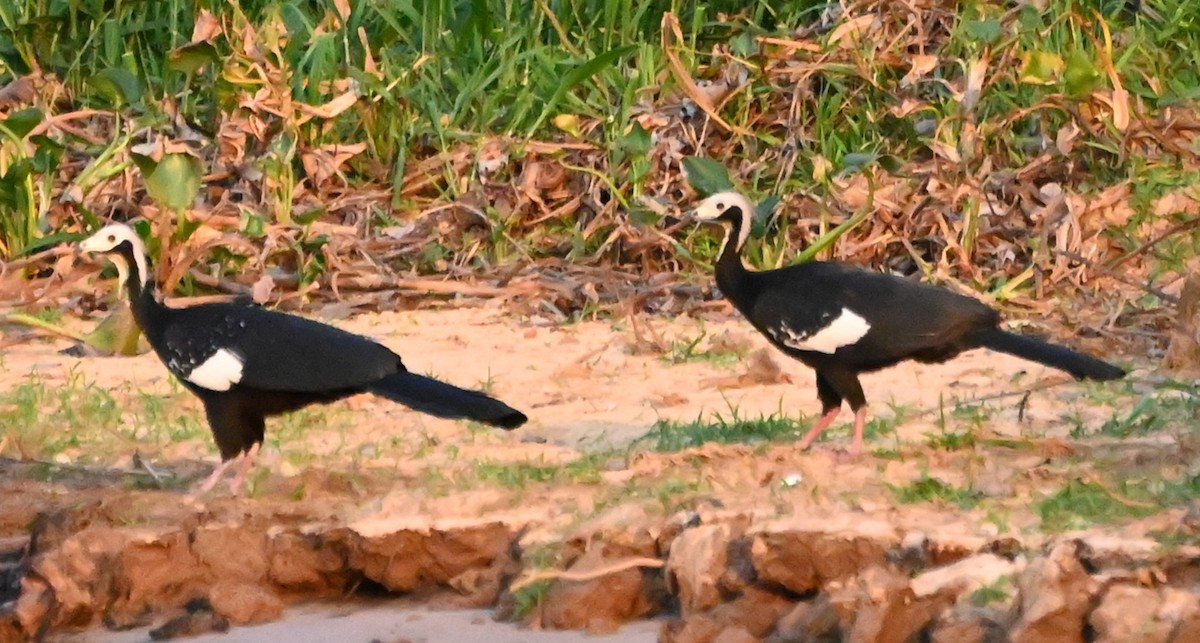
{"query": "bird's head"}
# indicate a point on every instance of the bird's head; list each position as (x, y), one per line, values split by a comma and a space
(121, 244)
(729, 209)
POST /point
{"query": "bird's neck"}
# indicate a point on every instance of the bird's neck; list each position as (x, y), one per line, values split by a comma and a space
(731, 272)
(139, 284)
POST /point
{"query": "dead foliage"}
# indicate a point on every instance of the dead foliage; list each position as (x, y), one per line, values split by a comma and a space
(291, 218)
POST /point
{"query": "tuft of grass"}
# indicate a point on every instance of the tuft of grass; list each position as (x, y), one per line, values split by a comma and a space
(1000, 591)
(670, 435)
(1083, 503)
(929, 489)
(687, 349)
(529, 597)
(1172, 405)
(518, 475)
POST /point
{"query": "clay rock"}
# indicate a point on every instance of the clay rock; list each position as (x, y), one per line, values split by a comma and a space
(155, 572)
(244, 603)
(803, 560)
(1053, 595)
(696, 563)
(969, 624)
(601, 604)
(196, 618)
(232, 552)
(409, 559)
(966, 575)
(735, 635)
(78, 575)
(303, 563)
(1134, 613)
(880, 606)
(814, 621)
(755, 612)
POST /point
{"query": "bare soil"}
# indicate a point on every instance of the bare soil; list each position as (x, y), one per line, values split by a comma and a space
(369, 498)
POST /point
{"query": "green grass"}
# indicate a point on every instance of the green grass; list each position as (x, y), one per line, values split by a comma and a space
(689, 349)
(998, 592)
(932, 490)
(519, 475)
(1083, 503)
(670, 435)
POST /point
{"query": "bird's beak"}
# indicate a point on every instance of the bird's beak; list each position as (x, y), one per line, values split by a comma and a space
(89, 245)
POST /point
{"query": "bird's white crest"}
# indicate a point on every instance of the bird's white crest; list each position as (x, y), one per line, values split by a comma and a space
(219, 372)
(106, 241)
(845, 329)
(714, 206)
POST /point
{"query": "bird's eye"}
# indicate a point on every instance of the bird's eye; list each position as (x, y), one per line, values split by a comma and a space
(720, 206)
(112, 238)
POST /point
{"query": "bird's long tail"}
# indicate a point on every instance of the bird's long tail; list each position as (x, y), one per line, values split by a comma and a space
(444, 400)
(1078, 364)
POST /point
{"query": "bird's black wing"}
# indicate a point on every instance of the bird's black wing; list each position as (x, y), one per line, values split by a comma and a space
(277, 351)
(899, 316)
(798, 308)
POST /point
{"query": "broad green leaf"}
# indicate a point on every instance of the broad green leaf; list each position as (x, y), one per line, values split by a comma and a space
(253, 225)
(706, 175)
(766, 207)
(52, 240)
(173, 181)
(22, 123)
(743, 44)
(636, 140)
(47, 154)
(983, 31)
(578, 75)
(855, 161)
(120, 84)
(1080, 74)
(191, 57)
(1041, 67)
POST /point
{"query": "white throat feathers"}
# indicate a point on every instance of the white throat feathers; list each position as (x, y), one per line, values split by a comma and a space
(712, 209)
(107, 239)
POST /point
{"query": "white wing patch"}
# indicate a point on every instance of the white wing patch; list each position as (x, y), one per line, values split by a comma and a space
(219, 372)
(845, 329)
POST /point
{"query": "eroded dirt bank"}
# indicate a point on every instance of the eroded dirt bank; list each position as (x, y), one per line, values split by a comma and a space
(991, 508)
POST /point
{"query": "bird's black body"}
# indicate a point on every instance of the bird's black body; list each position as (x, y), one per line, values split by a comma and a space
(247, 363)
(888, 319)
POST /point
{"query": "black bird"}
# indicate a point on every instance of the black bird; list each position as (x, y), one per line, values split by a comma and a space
(246, 363)
(841, 320)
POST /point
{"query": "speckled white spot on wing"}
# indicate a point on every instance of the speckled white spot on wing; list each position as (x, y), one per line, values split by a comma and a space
(845, 329)
(219, 372)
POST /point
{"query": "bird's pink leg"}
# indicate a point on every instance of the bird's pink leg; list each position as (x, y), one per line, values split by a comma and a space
(213, 479)
(247, 463)
(860, 425)
(820, 426)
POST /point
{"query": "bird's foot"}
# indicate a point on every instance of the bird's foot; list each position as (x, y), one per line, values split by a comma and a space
(818, 428)
(246, 463)
(848, 455)
(211, 481)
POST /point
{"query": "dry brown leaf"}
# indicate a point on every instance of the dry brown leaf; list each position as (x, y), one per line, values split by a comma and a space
(206, 28)
(328, 110)
(848, 34)
(672, 33)
(323, 163)
(1178, 201)
(343, 9)
(922, 64)
(262, 289)
(975, 76)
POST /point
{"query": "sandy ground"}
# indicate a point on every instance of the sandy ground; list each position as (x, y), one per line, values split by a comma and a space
(596, 385)
(591, 386)
(359, 624)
